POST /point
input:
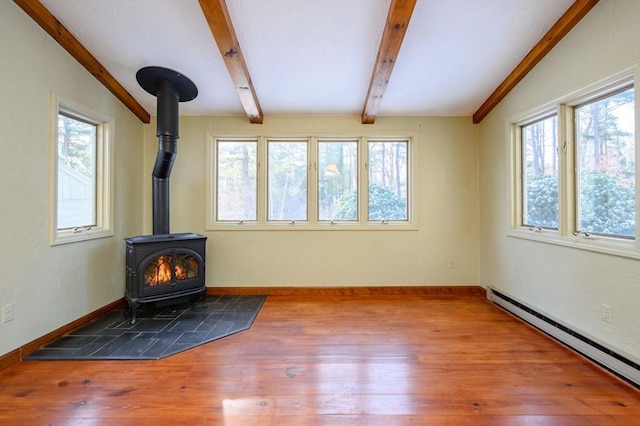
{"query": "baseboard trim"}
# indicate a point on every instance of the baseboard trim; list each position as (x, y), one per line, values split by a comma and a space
(9, 359)
(588, 347)
(17, 355)
(434, 291)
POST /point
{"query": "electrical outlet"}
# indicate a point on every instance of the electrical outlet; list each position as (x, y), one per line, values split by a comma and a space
(451, 264)
(7, 313)
(606, 313)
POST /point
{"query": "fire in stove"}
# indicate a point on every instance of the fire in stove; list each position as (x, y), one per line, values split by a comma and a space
(158, 272)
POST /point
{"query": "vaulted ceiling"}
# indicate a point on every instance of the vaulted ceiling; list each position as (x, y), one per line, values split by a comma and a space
(314, 57)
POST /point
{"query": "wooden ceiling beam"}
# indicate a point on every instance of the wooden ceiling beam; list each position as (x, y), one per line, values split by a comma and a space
(217, 15)
(400, 12)
(60, 34)
(567, 21)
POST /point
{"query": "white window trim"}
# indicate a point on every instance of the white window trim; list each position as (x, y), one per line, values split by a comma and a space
(312, 224)
(564, 107)
(104, 174)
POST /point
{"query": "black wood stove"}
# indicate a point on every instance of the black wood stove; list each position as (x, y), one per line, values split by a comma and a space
(164, 266)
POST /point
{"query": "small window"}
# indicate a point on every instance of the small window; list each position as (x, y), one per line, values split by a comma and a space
(236, 180)
(605, 159)
(76, 172)
(338, 180)
(81, 183)
(287, 177)
(540, 173)
(388, 167)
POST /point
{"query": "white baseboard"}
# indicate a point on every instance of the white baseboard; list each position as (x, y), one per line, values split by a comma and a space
(588, 347)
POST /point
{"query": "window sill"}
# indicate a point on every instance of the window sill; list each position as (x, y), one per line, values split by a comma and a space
(70, 236)
(306, 226)
(596, 243)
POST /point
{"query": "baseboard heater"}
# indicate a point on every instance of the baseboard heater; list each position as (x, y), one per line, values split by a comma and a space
(617, 364)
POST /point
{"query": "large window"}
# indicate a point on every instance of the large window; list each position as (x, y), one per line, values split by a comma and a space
(81, 181)
(575, 171)
(355, 182)
(605, 154)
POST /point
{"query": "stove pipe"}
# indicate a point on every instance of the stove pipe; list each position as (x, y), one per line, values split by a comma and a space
(170, 87)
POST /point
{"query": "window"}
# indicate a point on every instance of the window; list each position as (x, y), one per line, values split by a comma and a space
(540, 173)
(309, 182)
(287, 171)
(575, 174)
(81, 183)
(236, 180)
(338, 180)
(605, 153)
(388, 180)
(76, 172)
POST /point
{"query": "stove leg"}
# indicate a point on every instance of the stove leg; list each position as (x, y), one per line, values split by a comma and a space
(133, 307)
(204, 298)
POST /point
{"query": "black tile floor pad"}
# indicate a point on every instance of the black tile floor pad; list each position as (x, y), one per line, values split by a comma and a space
(158, 332)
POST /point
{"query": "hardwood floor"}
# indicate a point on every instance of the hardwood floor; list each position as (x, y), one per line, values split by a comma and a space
(311, 360)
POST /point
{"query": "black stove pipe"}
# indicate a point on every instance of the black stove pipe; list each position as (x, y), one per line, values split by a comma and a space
(167, 133)
(170, 87)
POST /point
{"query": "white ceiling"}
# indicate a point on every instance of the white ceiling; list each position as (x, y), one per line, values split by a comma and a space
(316, 56)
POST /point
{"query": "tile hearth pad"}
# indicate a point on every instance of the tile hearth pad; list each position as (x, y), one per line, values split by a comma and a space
(158, 332)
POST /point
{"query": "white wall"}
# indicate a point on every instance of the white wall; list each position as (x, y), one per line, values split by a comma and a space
(566, 283)
(447, 209)
(53, 286)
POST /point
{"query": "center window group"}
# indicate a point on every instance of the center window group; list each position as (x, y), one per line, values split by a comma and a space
(350, 181)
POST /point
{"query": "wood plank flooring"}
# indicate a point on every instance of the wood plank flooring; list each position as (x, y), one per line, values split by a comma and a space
(327, 360)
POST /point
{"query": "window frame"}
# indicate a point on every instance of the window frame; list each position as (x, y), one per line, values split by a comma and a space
(564, 107)
(103, 191)
(313, 222)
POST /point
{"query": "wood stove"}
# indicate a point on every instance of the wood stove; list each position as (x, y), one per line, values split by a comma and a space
(164, 266)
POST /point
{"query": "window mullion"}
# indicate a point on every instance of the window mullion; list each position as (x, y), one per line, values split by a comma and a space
(363, 181)
(312, 181)
(261, 213)
(567, 180)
